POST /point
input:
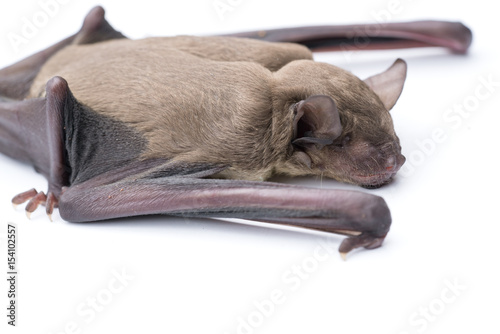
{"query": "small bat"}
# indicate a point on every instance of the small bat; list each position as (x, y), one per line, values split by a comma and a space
(188, 126)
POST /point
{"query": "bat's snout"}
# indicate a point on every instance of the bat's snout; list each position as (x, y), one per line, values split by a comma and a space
(394, 163)
(384, 176)
(389, 161)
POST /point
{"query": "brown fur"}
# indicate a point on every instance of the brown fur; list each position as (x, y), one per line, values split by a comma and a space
(226, 100)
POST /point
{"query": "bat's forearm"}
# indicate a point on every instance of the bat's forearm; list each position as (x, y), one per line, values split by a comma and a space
(365, 217)
(452, 35)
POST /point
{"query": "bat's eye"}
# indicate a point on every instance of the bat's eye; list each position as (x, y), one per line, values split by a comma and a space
(342, 141)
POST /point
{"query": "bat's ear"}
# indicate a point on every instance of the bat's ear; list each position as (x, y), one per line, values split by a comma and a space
(388, 85)
(316, 122)
(95, 28)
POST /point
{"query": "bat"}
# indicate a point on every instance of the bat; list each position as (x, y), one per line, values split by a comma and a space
(191, 126)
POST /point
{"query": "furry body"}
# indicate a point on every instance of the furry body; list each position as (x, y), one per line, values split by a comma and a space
(207, 100)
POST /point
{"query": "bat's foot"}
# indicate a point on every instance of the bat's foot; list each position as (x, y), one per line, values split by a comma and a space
(366, 240)
(35, 199)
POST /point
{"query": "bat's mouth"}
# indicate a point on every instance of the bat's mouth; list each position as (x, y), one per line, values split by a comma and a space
(374, 181)
(377, 180)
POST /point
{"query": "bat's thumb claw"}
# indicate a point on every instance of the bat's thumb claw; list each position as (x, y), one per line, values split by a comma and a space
(366, 240)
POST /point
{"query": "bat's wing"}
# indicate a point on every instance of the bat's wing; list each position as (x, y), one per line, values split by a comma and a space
(452, 35)
(65, 141)
(16, 80)
(32, 131)
(182, 189)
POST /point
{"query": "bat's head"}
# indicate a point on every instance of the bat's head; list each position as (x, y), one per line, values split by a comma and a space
(342, 127)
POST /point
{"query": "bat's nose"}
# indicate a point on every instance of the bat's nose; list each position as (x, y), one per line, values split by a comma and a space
(390, 164)
(394, 163)
(391, 158)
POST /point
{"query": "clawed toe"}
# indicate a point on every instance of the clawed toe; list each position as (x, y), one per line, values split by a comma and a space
(35, 199)
(23, 197)
(39, 198)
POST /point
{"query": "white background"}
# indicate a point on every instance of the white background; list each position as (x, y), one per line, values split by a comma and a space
(202, 276)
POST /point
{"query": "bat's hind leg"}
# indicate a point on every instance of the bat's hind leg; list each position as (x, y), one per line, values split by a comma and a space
(16, 80)
(33, 131)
